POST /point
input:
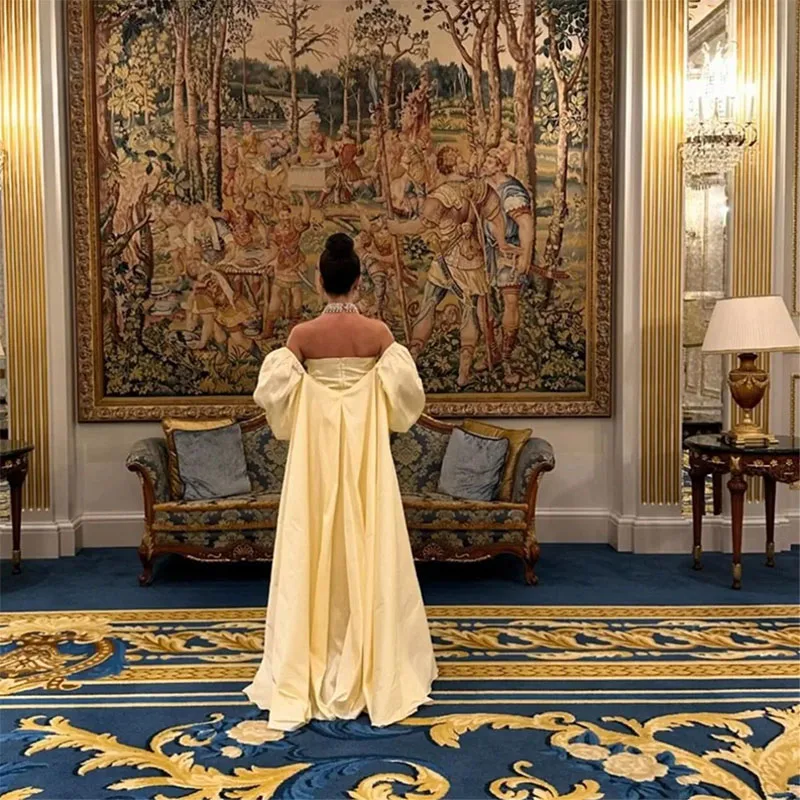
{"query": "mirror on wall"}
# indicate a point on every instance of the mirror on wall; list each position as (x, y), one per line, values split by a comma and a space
(706, 256)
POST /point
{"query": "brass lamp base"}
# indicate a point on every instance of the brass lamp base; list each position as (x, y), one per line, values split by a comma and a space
(748, 384)
(744, 435)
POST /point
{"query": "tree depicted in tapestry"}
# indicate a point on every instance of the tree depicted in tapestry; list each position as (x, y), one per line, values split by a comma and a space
(455, 140)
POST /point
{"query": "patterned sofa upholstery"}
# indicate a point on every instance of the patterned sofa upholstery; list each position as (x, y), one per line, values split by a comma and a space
(242, 528)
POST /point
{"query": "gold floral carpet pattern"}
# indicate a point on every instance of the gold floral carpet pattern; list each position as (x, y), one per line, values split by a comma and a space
(532, 703)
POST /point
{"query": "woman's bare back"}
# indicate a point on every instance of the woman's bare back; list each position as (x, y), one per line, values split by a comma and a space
(340, 336)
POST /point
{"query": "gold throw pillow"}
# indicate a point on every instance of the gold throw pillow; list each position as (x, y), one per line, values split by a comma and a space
(516, 441)
(169, 426)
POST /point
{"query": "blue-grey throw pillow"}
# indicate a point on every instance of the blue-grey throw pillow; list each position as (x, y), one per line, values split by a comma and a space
(211, 463)
(472, 467)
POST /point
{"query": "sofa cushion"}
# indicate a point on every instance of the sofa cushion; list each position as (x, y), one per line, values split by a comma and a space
(211, 463)
(516, 441)
(169, 426)
(418, 456)
(243, 512)
(434, 511)
(473, 465)
(234, 545)
(253, 511)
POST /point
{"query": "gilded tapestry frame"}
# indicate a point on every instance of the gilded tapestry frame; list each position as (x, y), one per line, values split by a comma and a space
(95, 405)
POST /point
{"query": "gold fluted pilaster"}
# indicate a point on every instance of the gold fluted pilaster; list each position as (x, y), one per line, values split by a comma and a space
(664, 64)
(753, 201)
(796, 161)
(21, 134)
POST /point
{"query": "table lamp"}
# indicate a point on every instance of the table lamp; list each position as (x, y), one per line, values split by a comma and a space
(747, 326)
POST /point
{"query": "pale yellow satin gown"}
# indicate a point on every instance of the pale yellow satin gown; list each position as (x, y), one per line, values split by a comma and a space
(346, 630)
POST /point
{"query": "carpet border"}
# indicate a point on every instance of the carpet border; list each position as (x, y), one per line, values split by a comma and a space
(459, 611)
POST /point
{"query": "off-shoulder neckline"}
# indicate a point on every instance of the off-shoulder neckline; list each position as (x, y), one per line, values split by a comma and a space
(339, 392)
(376, 359)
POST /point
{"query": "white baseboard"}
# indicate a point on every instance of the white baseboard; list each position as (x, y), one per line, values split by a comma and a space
(572, 525)
(643, 534)
(674, 534)
(67, 536)
(38, 540)
(110, 529)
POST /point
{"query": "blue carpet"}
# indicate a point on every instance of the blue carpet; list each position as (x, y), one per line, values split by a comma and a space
(569, 574)
(619, 676)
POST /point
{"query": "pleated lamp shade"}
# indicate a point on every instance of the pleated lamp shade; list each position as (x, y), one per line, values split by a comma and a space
(751, 325)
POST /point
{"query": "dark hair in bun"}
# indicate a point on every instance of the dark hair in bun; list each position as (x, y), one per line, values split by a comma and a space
(339, 265)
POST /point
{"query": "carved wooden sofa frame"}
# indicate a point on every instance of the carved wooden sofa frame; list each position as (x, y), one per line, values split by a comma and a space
(242, 528)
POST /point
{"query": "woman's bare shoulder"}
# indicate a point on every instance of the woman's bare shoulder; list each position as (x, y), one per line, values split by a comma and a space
(382, 333)
(297, 337)
(374, 331)
(354, 335)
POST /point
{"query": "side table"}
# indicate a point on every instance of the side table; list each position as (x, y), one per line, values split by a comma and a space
(711, 454)
(14, 469)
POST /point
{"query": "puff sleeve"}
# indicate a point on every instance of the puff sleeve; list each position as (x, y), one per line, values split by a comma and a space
(402, 387)
(278, 384)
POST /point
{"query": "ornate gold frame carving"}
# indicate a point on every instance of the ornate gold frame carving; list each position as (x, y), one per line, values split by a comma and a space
(93, 405)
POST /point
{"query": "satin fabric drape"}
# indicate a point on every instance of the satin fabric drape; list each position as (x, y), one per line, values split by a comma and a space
(346, 629)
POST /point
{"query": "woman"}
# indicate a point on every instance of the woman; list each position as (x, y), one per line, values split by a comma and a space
(346, 629)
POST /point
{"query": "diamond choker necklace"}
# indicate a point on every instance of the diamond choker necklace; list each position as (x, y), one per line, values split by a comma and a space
(340, 308)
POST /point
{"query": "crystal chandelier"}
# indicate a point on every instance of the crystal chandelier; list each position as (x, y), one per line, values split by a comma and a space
(720, 129)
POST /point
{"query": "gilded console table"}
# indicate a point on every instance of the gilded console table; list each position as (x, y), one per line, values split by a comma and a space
(14, 469)
(711, 454)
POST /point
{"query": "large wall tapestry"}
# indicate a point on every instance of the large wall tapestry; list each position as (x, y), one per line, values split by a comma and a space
(465, 144)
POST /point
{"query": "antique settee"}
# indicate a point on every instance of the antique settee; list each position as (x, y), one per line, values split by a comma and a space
(242, 528)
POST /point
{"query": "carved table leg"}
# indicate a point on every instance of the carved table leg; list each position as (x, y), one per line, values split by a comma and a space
(737, 486)
(698, 509)
(717, 489)
(769, 506)
(16, 480)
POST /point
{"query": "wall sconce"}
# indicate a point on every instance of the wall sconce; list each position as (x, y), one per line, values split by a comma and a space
(721, 127)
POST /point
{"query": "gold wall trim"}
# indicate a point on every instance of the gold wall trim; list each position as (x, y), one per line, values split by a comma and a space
(21, 133)
(794, 381)
(753, 203)
(796, 161)
(665, 26)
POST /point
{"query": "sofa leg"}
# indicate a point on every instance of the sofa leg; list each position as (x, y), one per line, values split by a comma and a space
(530, 558)
(146, 578)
